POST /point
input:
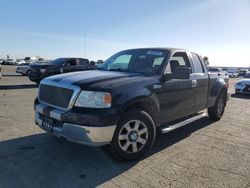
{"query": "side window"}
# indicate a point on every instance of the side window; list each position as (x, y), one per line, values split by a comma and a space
(71, 62)
(77, 62)
(179, 59)
(197, 63)
(84, 62)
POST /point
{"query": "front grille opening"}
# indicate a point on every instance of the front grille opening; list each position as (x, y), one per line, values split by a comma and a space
(55, 96)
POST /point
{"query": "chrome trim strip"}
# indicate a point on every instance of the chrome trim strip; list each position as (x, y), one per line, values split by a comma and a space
(39, 108)
(38, 120)
(56, 114)
(181, 124)
(73, 99)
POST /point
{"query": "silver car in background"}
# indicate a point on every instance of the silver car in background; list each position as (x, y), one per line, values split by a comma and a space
(243, 85)
(23, 69)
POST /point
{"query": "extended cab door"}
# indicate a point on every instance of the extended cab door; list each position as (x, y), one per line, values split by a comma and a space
(84, 64)
(200, 81)
(177, 97)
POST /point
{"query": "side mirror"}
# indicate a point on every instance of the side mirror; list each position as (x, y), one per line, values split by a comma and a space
(181, 73)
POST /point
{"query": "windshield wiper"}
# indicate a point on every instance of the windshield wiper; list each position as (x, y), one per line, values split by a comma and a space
(118, 69)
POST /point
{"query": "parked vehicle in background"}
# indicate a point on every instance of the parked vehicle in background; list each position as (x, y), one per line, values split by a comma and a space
(233, 74)
(243, 72)
(20, 62)
(58, 66)
(132, 94)
(243, 85)
(10, 62)
(0, 69)
(23, 69)
(217, 71)
(214, 69)
(99, 62)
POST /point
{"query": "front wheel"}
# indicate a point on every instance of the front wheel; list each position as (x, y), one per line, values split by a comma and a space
(216, 112)
(134, 136)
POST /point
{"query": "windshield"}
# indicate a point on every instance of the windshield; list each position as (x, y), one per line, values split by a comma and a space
(149, 61)
(57, 61)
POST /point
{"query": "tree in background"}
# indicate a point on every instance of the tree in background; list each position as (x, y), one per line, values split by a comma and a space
(206, 60)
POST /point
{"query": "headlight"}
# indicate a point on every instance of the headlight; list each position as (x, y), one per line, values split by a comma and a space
(42, 70)
(93, 99)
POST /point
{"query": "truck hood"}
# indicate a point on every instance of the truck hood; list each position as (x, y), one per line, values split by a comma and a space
(98, 79)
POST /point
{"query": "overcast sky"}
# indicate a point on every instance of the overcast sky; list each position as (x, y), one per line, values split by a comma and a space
(219, 29)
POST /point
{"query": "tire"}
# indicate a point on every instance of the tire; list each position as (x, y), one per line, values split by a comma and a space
(134, 136)
(216, 112)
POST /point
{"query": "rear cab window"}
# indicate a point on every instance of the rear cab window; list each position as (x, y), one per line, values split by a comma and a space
(84, 62)
(198, 67)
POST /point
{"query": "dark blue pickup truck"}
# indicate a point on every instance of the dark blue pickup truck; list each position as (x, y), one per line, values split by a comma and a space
(38, 71)
(130, 96)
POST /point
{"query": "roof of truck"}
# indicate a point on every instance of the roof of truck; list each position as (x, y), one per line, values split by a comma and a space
(159, 48)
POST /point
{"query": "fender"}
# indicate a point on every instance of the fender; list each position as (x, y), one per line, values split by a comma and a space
(139, 95)
(219, 84)
(150, 100)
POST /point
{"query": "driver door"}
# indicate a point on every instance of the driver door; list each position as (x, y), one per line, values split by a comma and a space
(177, 97)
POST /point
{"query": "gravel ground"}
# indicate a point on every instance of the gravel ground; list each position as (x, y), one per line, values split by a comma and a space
(201, 154)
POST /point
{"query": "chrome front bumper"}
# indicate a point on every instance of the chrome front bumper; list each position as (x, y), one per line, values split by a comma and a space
(87, 135)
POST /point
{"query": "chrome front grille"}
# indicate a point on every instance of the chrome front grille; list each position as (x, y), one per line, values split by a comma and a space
(58, 95)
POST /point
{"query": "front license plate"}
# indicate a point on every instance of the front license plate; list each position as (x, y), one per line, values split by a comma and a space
(47, 124)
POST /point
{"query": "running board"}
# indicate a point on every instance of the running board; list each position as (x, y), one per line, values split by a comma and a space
(181, 124)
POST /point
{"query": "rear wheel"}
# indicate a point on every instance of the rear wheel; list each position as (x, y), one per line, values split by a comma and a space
(216, 112)
(134, 136)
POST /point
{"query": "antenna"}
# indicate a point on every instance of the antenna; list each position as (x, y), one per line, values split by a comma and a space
(84, 46)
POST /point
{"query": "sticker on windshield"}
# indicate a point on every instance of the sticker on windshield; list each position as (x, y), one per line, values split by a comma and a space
(154, 53)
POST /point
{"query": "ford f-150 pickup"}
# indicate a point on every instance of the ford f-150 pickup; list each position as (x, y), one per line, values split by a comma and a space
(128, 98)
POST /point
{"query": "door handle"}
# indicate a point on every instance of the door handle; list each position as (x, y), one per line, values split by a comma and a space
(194, 83)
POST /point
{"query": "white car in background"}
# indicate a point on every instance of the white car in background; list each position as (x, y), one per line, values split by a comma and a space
(10, 62)
(233, 74)
(243, 85)
(20, 62)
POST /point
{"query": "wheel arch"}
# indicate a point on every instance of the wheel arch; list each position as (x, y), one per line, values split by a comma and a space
(146, 104)
(219, 86)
